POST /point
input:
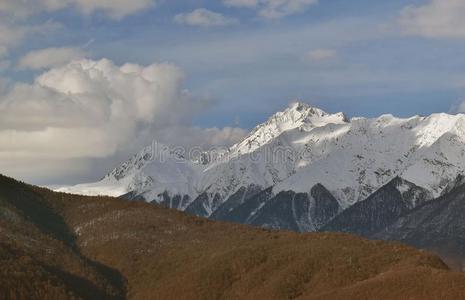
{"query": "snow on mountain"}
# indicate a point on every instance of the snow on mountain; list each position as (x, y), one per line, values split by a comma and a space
(150, 173)
(297, 115)
(354, 159)
(295, 150)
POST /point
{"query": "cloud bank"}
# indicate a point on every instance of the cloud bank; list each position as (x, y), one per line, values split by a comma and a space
(91, 109)
(204, 17)
(12, 34)
(115, 9)
(273, 9)
(50, 57)
(436, 19)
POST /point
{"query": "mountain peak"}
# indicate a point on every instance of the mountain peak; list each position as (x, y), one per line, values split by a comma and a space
(301, 110)
(296, 115)
(311, 111)
(305, 107)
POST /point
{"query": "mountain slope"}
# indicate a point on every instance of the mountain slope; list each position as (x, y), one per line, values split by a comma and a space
(438, 225)
(38, 254)
(299, 212)
(228, 208)
(380, 209)
(164, 254)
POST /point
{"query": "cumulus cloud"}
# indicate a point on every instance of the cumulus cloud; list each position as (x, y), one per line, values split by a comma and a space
(50, 57)
(89, 107)
(436, 19)
(113, 8)
(89, 110)
(204, 17)
(319, 55)
(273, 9)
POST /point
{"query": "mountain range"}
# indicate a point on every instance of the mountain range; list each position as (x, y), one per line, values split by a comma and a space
(308, 170)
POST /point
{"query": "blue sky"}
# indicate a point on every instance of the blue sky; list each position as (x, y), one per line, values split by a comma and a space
(246, 59)
(254, 68)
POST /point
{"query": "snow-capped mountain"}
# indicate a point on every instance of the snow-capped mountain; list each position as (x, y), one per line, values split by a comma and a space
(296, 150)
(153, 171)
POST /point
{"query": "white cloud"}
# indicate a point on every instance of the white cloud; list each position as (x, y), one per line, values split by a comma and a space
(23, 8)
(97, 95)
(273, 9)
(88, 110)
(3, 51)
(204, 138)
(4, 64)
(319, 55)
(12, 34)
(436, 19)
(50, 57)
(204, 17)
(115, 9)
(241, 3)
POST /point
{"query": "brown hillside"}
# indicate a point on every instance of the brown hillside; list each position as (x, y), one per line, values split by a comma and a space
(62, 246)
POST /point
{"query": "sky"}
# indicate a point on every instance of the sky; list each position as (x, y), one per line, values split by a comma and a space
(85, 84)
